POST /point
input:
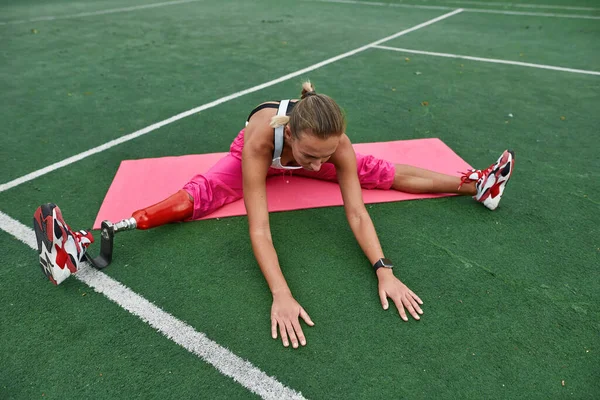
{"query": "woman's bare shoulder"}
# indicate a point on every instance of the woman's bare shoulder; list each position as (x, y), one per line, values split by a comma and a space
(343, 150)
(344, 143)
(258, 134)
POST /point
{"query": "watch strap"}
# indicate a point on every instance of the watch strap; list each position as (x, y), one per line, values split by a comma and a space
(383, 263)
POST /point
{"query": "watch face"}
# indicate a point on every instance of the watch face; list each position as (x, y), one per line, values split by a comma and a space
(387, 263)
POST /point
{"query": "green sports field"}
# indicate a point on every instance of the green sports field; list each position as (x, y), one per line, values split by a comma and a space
(511, 297)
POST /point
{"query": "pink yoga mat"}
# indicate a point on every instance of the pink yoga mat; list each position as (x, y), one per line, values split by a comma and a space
(140, 183)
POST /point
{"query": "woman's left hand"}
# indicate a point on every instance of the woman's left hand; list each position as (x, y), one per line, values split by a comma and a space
(401, 295)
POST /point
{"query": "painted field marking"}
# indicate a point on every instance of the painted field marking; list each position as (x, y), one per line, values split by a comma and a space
(489, 60)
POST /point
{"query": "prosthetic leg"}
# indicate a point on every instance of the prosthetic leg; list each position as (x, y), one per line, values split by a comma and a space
(175, 208)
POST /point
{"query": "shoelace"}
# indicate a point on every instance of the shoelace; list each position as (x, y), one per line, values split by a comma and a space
(465, 178)
(84, 238)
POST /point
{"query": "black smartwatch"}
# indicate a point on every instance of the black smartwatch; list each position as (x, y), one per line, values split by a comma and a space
(383, 263)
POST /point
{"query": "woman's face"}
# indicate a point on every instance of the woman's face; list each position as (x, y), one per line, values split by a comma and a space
(311, 152)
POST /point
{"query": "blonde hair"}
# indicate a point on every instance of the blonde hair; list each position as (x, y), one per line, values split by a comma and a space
(317, 113)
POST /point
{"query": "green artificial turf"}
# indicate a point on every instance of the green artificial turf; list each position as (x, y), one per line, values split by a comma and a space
(510, 297)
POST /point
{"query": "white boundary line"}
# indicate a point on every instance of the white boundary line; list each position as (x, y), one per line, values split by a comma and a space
(99, 12)
(148, 129)
(521, 5)
(476, 10)
(373, 3)
(490, 60)
(533, 14)
(240, 370)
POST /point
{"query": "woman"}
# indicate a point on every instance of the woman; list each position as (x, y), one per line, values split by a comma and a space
(307, 136)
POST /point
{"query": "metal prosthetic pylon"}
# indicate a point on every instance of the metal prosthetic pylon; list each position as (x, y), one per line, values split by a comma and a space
(107, 235)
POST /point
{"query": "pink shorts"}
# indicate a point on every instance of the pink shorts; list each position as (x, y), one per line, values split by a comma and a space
(222, 184)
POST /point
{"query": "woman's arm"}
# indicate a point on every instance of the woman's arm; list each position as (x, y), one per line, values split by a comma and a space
(362, 226)
(285, 310)
(255, 199)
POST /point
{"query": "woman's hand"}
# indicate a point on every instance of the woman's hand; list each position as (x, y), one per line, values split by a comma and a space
(402, 296)
(284, 313)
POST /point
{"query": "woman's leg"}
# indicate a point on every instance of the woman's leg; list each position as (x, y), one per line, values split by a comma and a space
(486, 186)
(418, 180)
(202, 195)
(375, 173)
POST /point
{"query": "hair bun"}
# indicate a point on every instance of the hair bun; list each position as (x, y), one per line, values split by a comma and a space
(309, 93)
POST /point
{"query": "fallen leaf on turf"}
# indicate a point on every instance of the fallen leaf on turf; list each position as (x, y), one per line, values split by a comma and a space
(425, 103)
(562, 118)
(418, 73)
(407, 59)
(34, 31)
(562, 382)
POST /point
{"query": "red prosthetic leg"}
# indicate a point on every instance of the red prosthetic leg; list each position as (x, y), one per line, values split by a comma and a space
(175, 208)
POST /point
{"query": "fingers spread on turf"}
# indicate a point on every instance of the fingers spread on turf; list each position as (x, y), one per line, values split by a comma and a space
(408, 304)
(415, 305)
(416, 297)
(273, 328)
(283, 333)
(306, 318)
(291, 334)
(400, 307)
(299, 333)
(383, 299)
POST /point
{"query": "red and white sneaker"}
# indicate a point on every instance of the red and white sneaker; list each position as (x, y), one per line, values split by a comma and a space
(60, 248)
(490, 182)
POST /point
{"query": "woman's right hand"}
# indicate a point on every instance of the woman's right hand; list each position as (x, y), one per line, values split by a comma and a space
(285, 314)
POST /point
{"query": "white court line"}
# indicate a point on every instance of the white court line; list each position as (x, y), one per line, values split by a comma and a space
(240, 370)
(373, 3)
(99, 12)
(476, 10)
(141, 132)
(533, 14)
(521, 5)
(490, 60)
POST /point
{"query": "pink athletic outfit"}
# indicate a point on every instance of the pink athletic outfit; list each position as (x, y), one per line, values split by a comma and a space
(222, 183)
